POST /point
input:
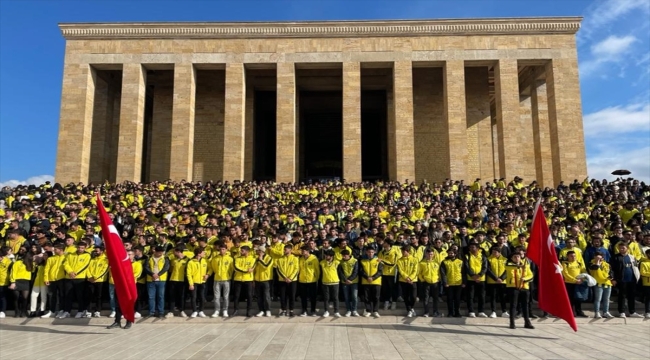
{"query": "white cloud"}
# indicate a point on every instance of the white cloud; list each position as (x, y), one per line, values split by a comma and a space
(611, 50)
(637, 161)
(631, 118)
(602, 13)
(34, 180)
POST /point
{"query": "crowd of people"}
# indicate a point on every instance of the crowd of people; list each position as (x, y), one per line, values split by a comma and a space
(373, 243)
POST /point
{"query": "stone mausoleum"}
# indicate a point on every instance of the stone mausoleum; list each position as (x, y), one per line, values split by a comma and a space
(293, 101)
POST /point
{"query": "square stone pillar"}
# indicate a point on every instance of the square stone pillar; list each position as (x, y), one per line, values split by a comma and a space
(526, 139)
(402, 168)
(506, 93)
(182, 150)
(565, 119)
(480, 154)
(131, 133)
(541, 134)
(286, 166)
(160, 162)
(234, 123)
(75, 125)
(352, 121)
(455, 117)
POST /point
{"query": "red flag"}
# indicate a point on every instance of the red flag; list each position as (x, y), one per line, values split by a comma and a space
(552, 295)
(120, 264)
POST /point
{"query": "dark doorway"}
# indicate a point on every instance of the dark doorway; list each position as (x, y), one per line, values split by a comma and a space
(147, 141)
(374, 139)
(264, 137)
(321, 134)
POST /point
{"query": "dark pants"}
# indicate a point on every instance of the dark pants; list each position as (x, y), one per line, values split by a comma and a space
(247, 287)
(177, 295)
(429, 290)
(77, 289)
(646, 298)
(143, 298)
(96, 290)
(497, 292)
(263, 292)
(331, 293)
(371, 297)
(575, 303)
(409, 293)
(308, 291)
(626, 291)
(4, 293)
(287, 294)
(477, 289)
(198, 297)
(56, 289)
(388, 288)
(518, 297)
(453, 300)
(20, 301)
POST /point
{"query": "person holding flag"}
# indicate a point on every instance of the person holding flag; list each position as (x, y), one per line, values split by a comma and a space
(518, 277)
(137, 271)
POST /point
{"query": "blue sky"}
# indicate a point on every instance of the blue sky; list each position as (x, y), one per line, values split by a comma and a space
(613, 46)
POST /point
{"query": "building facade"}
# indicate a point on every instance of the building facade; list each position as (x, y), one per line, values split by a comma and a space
(291, 101)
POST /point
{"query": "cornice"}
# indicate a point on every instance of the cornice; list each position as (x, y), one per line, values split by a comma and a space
(321, 29)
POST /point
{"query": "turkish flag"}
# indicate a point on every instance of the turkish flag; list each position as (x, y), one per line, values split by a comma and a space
(552, 295)
(120, 264)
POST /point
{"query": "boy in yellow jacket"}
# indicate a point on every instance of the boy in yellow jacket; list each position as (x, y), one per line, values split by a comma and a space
(429, 280)
(407, 266)
(308, 280)
(197, 274)
(98, 275)
(451, 274)
(329, 269)
(644, 271)
(244, 268)
(263, 277)
(570, 270)
(54, 279)
(287, 268)
(518, 277)
(222, 266)
(602, 272)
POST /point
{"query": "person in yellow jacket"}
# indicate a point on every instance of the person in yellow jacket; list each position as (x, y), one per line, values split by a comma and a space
(329, 268)
(429, 280)
(518, 277)
(53, 280)
(244, 268)
(388, 255)
(287, 268)
(475, 266)
(496, 281)
(97, 277)
(157, 269)
(600, 270)
(644, 271)
(370, 272)
(197, 275)
(263, 277)
(19, 278)
(222, 266)
(570, 270)
(76, 287)
(5, 270)
(137, 272)
(177, 282)
(308, 280)
(407, 267)
(451, 275)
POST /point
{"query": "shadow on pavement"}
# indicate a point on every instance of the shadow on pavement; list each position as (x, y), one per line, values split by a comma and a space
(408, 327)
(49, 329)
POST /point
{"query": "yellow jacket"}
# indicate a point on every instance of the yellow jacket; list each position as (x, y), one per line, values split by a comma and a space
(222, 266)
(644, 270)
(5, 264)
(370, 268)
(39, 279)
(196, 271)
(348, 269)
(264, 269)
(476, 265)
(163, 268)
(451, 272)
(78, 264)
(98, 268)
(389, 259)
(137, 271)
(242, 264)
(330, 272)
(429, 271)
(439, 256)
(179, 269)
(19, 272)
(287, 267)
(602, 273)
(572, 269)
(54, 269)
(276, 250)
(518, 276)
(309, 269)
(496, 269)
(408, 268)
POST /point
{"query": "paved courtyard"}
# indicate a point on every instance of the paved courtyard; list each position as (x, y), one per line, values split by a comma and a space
(248, 340)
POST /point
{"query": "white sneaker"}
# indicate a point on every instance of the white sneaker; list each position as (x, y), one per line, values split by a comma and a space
(393, 306)
(96, 314)
(355, 314)
(647, 315)
(45, 316)
(348, 314)
(202, 314)
(493, 315)
(386, 305)
(112, 314)
(471, 315)
(183, 314)
(366, 314)
(414, 313)
(65, 315)
(314, 314)
(635, 315)
(410, 314)
(304, 314)
(268, 314)
(376, 314)
(425, 315)
(3, 315)
(505, 314)
(169, 314)
(608, 315)
(87, 314)
(59, 314)
(337, 315)
(225, 313)
(597, 316)
(326, 314)
(215, 314)
(194, 314)
(79, 315)
(260, 314)
(622, 315)
(137, 315)
(482, 315)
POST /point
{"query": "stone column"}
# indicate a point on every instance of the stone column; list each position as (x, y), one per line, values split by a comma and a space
(541, 134)
(480, 161)
(131, 133)
(286, 166)
(526, 138)
(403, 147)
(182, 151)
(506, 80)
(565, 118)
(234, 123)
(75, 124)
(352, 121)
(455, 117)
(160, 162)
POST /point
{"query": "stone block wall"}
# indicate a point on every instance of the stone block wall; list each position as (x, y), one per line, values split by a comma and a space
(431, 137)
(208, 125)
